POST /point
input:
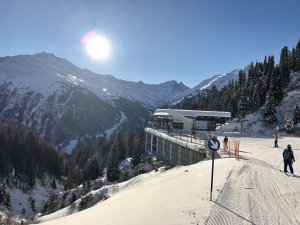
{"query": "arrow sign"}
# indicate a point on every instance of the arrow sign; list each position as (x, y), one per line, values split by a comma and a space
(213, 144)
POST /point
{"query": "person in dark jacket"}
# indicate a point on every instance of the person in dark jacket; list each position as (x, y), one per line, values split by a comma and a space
(288, 157)
(225, 143)
(276, 142)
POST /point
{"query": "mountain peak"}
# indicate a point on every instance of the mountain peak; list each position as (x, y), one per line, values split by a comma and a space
(175, 83)
(44, 54)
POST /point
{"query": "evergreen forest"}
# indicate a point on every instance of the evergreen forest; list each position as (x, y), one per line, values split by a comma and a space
(262, 88)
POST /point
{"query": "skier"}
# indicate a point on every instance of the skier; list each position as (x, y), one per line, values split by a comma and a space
(288, 157)
(276, 142)
(225, 143)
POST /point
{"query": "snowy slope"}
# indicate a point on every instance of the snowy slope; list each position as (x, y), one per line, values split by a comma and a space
(249, 191)
(40, 194)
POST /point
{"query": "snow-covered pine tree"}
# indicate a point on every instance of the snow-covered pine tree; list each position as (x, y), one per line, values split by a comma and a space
(289, 126)
(277, 85)
(4, 196)
(284, 67)
(296, 117)
(243, 106)
(289, 123)
(256, 101)
(271, 66)
(270, 110)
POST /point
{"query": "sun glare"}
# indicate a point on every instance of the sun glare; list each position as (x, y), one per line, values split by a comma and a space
(97, 46)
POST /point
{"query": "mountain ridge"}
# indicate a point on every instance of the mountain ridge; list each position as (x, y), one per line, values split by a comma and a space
(64, 103)
(49, 64)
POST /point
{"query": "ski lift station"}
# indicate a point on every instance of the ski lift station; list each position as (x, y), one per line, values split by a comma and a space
(179, 137)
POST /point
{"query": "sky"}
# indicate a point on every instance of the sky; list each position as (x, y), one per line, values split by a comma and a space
(153, 41)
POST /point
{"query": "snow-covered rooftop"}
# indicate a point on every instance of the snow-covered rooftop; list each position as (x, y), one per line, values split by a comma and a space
(192, 113)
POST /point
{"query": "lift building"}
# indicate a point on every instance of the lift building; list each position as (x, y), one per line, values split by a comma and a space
(179, 137)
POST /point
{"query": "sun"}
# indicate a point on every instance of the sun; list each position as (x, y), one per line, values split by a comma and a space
(97, 46)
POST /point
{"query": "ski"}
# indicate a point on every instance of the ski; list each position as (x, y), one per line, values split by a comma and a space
(288, 173)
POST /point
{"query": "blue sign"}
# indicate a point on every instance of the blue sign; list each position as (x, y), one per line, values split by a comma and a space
(213, 144)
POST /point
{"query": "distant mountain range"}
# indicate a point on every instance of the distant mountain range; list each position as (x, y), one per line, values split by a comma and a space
(64, 103)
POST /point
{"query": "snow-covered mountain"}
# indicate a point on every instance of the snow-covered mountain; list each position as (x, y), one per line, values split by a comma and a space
(42, 71)
(64, 103)
(219, 81)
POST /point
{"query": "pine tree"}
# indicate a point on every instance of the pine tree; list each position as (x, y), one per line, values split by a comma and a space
(53, 184)
(270, 110)
(271, 65)
(138, 148)
(4, 196)
(32, 203)
(251, 75)
(292, 60)
(123, 148)
(284, 67)
(73, 198)
(112, 173)
(265, 66)
(297, 57)
(242, 78)
(256, 99)
(244, 105)
(276, 85)
(296, 117)
(93, 170)
(289, 126)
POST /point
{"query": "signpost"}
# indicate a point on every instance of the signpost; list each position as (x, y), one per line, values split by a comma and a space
(213, 144)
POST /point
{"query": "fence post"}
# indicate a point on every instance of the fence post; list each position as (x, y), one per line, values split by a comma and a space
(235, 152)
(239, 150)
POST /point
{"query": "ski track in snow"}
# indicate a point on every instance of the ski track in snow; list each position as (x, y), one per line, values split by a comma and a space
(262, 187)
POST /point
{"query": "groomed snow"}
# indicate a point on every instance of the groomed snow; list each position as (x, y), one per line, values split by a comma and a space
(248, 191)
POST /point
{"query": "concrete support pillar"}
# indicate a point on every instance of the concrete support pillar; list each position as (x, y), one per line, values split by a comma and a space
(170, 156)
(146, 142)
(190, 157)
(179, 155)
(151, 143)
(163, 150)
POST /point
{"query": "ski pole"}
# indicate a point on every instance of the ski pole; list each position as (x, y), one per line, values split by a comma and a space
(279, 165)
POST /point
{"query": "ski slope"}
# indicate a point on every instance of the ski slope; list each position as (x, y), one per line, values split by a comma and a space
(248, 191)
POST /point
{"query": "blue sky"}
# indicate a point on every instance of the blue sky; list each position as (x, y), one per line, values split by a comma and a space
(153, 40)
